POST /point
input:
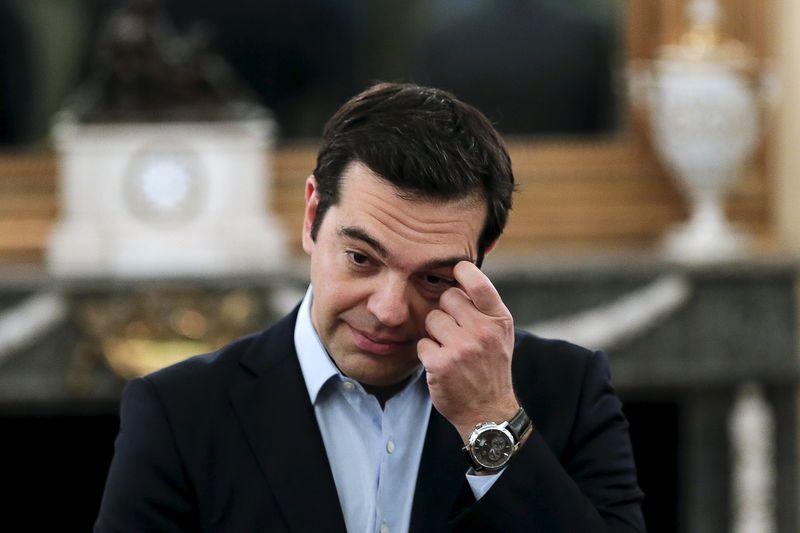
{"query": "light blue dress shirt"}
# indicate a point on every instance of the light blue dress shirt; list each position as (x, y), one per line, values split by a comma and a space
(374, 453)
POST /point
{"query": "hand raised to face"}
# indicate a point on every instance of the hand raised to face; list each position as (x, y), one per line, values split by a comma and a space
(467, 354)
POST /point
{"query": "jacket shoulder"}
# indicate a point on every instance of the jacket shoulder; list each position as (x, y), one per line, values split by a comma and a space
(554, 379)
(243, 357)
(549, 355)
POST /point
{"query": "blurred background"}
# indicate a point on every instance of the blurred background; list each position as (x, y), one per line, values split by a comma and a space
(152, 159)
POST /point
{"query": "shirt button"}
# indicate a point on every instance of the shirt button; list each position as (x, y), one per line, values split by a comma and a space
(348, 385)
(384, 528)
(390, 449)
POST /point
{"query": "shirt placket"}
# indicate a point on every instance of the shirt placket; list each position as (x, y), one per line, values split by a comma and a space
(386, 502)
(366, 408)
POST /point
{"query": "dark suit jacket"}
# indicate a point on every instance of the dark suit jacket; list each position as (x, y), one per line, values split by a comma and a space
(229, 442)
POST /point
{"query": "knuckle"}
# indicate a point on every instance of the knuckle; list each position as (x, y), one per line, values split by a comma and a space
(484, 336)
(461, 351)
(483, 289)
(505, 325)
(423, 347)
(450, 303)
(431, 317)
(448, 297)
(434, 366)
(468, 351)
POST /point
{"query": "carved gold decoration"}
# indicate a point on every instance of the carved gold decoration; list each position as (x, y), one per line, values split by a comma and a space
(145, 330)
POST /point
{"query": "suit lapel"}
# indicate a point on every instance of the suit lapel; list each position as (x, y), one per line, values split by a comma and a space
(441, 477)
(278, 419)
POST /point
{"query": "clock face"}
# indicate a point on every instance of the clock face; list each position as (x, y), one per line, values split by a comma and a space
(492, 448)
(164, 185)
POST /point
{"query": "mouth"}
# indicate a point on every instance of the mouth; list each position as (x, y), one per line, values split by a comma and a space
(376, 344)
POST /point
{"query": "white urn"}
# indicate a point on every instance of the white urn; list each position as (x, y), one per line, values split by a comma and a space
(704, 121)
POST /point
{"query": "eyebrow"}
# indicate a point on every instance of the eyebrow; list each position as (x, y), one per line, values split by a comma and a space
(359, 234)
(354, 232)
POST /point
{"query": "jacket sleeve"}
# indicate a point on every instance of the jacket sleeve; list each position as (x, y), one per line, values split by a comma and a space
(147, 488)
(590, 487)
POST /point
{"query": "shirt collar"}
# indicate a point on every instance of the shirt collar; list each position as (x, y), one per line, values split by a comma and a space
(315, 363)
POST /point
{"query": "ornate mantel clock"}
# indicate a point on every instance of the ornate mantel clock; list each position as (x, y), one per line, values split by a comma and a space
(144, 200)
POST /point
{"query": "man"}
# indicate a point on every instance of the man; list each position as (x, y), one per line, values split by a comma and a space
(398, 395)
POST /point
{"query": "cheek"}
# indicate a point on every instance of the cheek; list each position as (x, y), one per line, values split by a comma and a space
(339, 292)
(421, 306)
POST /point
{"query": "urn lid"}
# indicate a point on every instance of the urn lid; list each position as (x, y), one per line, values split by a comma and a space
(702, 42)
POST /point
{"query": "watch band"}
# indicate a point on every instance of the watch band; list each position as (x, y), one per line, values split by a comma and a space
(519, 424)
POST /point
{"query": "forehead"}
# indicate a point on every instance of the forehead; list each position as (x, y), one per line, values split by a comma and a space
(372, 203)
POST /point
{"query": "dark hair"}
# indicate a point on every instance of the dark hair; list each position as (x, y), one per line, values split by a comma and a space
(425, 142)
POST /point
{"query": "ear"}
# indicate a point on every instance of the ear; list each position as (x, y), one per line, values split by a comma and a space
(490, 247)
(310, 213)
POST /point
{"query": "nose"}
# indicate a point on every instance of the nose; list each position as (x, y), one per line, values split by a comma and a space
(389, 302)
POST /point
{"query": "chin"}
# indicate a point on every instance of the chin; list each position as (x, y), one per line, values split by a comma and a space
(379, 377)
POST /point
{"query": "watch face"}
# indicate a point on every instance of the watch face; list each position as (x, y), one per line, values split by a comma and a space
(163, 185)
(492, 448)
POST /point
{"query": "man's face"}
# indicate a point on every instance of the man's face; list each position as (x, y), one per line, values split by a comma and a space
(378, 266)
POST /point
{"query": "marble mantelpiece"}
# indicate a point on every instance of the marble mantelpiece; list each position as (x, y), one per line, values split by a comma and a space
(720, 327)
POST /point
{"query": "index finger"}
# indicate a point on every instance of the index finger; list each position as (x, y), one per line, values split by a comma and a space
(479, 288)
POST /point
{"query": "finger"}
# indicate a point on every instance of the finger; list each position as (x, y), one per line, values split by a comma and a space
(455, 302)
(441, 326)
(479, 289)
(427, 351)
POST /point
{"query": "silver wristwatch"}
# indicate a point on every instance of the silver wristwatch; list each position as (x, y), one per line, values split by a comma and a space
(491, 445)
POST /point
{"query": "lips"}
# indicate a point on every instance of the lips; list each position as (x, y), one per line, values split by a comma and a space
(376, 344)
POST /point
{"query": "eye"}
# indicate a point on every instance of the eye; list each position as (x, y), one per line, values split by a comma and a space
(358, 259)
(438, 282)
